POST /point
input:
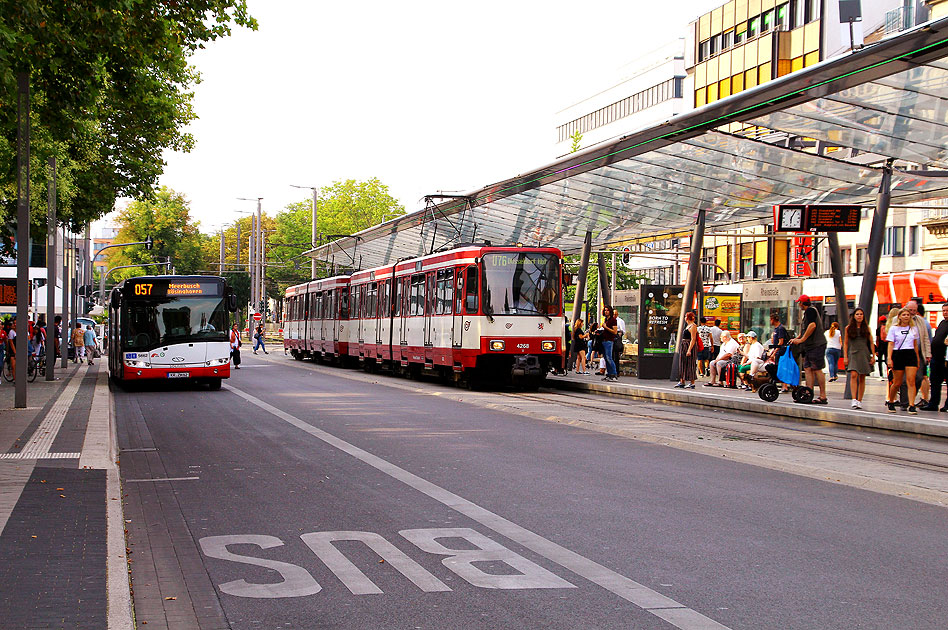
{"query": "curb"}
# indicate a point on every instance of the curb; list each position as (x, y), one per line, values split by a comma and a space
(868, 419)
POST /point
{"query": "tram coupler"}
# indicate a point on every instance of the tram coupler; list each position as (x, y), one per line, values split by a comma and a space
(525, 365)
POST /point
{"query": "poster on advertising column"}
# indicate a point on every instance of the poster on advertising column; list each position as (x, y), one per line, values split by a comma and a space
(726, 307)
(661, 309)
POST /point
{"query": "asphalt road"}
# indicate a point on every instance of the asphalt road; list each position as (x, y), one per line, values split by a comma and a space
(306, 499)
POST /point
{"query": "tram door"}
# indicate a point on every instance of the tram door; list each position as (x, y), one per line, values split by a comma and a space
(334, 315)
(457, 321)
(404, 310)
(324, 318)
(429, 306)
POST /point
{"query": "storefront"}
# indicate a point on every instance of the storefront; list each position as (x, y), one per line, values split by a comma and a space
(761, 299)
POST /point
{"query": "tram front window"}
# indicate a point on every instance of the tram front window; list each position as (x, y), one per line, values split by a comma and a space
(518, 283)
(160, 322)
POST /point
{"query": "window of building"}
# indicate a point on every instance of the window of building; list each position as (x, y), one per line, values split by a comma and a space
(766, 21)
(797, 13)
(846, 255)
(753, 26)
(861, 260)
(740, 34)
(914, 245)
(704, 50)
(727, 40)
(894, 244)
(783, 17)
(715, 44)
(812, 10)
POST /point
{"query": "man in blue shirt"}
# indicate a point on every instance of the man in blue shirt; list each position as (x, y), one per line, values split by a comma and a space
(88, 339)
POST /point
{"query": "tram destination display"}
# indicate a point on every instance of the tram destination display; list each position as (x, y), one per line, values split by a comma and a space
(817, 218)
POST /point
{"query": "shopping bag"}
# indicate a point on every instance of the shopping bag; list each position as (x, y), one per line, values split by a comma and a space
(788, 371)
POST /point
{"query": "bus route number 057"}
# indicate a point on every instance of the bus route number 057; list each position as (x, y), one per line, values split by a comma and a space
(143, 289)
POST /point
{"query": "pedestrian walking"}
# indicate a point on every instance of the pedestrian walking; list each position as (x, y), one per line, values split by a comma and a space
(687, 353)
(58, 334)
(258, 340)
(813, 342)
(235, 346)
(922, 384)
(858, 351)
(938, 368)
(11, 345)
(882, 347)
(88, 340)
(610, 330)
(834, 349)
(904, 358)
(78, 343)
(579, 345)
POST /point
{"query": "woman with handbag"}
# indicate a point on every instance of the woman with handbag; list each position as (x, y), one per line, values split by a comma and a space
(235, 346)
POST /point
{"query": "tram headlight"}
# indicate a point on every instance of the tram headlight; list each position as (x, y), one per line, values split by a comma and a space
(496, 345)
(548, 346)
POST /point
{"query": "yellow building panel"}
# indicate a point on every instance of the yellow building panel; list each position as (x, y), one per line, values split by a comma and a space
(796, 42)
(701, 74)
(721, 257)
(716, 20)
(765, 52)
(796, 64)
(783, 67)
(753, 8)
(764, 73)
(740, 11)
(724, 87)
(728, 17)
(737, 59)
(750, 78)
(767, 4)
(712, 68)
(750, 55)
(712, 92)
(760, 252)
(724, 65)
(701, 97)
(704, 27)
(781, 257)
(811, 59)
(737, 83)
(811, 37)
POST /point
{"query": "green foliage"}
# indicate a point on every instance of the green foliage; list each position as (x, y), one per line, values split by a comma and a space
(111, 88)
(167, 219)
(576, 138)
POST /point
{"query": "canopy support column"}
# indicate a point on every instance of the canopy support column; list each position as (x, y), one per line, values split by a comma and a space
(876, 238)
(842, 306)
(581, 281)
(603, 281)
(691, 283)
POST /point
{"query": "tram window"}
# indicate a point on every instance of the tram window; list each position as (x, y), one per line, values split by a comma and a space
(372, 292)
(445, 294)
(397, 298)
(344, 306)
(417, 296)
(330, 310)
(470, 298)
(354, 303)
(459, 293)
(430, 292)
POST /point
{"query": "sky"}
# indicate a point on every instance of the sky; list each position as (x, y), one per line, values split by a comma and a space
(425, 96)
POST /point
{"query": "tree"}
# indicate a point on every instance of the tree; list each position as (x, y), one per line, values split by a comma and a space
(111, 88)
(167, 219)
(576, 138)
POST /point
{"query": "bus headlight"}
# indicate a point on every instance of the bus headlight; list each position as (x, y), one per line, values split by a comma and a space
(496, 345)
(548, 346)
(135, 364)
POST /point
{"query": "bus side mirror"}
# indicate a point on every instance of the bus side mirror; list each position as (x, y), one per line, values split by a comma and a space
(232, 302)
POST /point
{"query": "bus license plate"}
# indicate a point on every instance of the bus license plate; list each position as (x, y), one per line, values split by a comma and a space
(179, 374)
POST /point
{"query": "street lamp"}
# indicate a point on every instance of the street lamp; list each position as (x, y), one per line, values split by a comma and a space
(256, 253)
(315, 236)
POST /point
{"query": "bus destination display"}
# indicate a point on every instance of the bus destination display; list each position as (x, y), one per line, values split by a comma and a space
(172, 288)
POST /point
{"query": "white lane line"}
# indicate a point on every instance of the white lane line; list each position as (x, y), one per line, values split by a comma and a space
(26, 455)
(654, 602)
(161, 479)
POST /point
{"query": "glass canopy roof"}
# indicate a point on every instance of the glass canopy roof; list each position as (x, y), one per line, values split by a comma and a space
(888, 100)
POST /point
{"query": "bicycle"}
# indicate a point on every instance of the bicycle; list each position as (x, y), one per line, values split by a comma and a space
(34, 366)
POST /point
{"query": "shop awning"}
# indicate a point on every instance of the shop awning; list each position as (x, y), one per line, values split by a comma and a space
(888, 100)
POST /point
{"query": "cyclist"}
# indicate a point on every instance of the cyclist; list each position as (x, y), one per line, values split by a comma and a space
(39, 338)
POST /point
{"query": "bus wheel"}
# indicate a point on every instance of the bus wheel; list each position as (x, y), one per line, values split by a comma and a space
(214, 384)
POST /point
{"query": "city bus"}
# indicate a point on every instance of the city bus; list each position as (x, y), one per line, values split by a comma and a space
(171, 327)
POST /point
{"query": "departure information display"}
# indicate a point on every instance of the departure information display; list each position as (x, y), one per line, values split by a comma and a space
(817, 218)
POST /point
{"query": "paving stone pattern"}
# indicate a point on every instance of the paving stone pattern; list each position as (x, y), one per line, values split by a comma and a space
(52, 553)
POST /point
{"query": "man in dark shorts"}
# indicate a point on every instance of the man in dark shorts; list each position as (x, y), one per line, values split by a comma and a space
(813, 343)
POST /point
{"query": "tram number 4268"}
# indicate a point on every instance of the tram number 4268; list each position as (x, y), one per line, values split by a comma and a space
(297, 581)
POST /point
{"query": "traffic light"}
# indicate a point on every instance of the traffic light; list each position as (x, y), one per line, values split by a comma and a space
(85, 290)
(149, 243)
(626, 255)
(86, 306)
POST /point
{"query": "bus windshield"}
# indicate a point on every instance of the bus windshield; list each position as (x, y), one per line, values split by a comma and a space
(154, 322)
(521, 283)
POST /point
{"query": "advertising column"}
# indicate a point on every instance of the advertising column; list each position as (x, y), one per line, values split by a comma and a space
(658, 328)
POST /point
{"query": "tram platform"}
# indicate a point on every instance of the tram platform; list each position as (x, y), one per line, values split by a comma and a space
(62, 551)
(838, 410)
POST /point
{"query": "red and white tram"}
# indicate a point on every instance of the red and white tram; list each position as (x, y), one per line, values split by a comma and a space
(491, 313)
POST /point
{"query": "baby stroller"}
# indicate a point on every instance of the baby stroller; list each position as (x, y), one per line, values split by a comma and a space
(770, 390)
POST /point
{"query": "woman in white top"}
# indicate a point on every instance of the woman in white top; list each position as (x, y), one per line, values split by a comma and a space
(834, 348)
(904, 360)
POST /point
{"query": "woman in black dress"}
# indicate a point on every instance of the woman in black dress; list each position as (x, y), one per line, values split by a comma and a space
(687, 365)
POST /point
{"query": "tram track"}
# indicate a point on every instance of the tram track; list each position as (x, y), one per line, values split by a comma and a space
(730, 429)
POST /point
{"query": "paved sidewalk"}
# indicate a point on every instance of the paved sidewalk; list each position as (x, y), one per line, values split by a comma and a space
(838, 410)
(57, 478)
